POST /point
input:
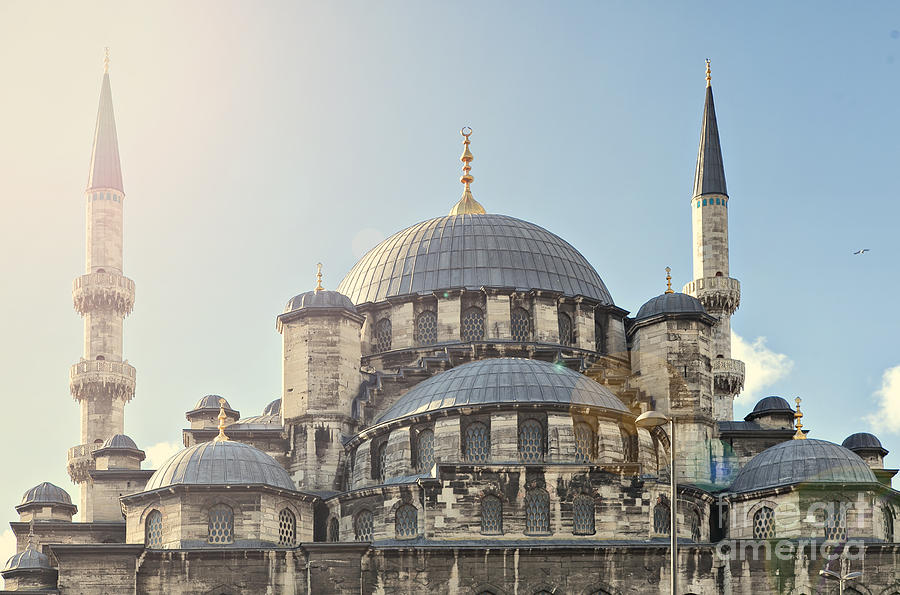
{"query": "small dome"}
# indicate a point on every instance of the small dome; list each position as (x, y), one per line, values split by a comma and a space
(220, 463)
(319, 299)
(670, 303)
(46, 493)
(210, 402)
(273, 408)
(504, 380)
(28, 559)
(120, 441)
(863, 441)
(802, 461)
(769, 405)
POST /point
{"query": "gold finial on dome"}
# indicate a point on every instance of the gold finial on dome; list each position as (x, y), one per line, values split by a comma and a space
(106, 61)
(708, 75)
(669, 280)
(799, 435)
(319, 277)
(222, 417)
(467, 205)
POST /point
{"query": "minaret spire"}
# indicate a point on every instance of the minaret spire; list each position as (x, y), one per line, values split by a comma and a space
(106, 170)
(709, 177)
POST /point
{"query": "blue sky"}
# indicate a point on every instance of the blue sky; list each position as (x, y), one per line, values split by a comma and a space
(259, 139)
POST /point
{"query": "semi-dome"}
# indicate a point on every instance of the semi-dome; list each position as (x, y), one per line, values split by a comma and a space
(802, 461)
(273, 408)
(120, 441)
(670, 303)
(863, 441)
(319, 299)
(28, 559)
(46, 493)
(768, 406)
(504, 380)
(220, 463)
(472, 251)
(210, 402)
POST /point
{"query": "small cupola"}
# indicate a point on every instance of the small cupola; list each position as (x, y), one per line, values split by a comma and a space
(118, 452)
(773, 413)
(205, 413)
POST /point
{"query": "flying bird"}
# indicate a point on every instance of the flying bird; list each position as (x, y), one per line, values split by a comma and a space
(863, 251)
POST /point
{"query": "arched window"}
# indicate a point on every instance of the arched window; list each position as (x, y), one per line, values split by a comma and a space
(334, 530)
(583, 515)
(537, 511)
(425, 450)
(379, 459)
(383, 335)
(531, 441)
(520, 325)
(888, 520)
(764, 523)
(695, 527)
(661, 518)
(472, 327)
(491, 515)
(835, 523)
(629, 445)
(221, 524)
(287, 528)
(584, 442)
(478, 443)
(406, 523)
(599, 336)
(566, 336)
(426, 328)
(153, 530)
(363, 526)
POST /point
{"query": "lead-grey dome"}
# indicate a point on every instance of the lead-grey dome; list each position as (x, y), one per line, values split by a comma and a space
(504, 380)
(46, 493)
(802, 461)
(670, 303)
(863, 441)
(768, 406)
(319, 299)
(220, 463)
(120, 441)
(210, 402)
(28, 559)
(472, 251)
(273, 408)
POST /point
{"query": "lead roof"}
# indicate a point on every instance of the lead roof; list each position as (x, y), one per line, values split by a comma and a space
(709, 177)
(105, 170)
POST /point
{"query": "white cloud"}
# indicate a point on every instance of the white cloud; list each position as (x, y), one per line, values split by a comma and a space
(7, 547)
(159, 453)
(763, 367)
(888, 416)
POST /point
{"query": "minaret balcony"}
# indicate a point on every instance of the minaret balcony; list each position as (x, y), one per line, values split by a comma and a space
(103, 291)
(728, 375)
(717, 294)
(80, 461)
(89, 379)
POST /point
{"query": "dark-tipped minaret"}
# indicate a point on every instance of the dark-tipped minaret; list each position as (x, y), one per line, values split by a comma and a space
(102, 382)
(712, 284)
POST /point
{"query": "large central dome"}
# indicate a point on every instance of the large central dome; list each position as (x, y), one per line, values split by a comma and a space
(472, 251)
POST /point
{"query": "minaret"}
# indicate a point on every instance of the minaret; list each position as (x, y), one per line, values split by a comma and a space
(101, 381)
(712, 285)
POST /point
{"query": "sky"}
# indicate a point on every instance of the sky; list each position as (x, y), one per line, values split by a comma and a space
(258, 139)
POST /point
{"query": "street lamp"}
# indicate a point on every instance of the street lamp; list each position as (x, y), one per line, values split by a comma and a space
(843, 576)
(653, 419)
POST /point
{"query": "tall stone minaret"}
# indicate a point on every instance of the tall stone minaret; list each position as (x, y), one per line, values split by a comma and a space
(712, 285)
(101, 381)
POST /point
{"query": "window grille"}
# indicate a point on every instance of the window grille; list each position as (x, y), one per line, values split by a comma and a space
(478, 443)
(695, 527)
(583, 515)
(472, 327)
(406, 522)
(426, 328)
(537, 511)
(566, 337)
(661, 518)
(221, 524)
(334, 530)
(425, 450)
(629, 446)
(520, 325)
(531, 441)
(287, 528)
(888, 519)
(153, 530)
(363, 526)
(835, 523)
(584, 442)
(379, 460)
(383, 335)
(491, 515)
(764, 523)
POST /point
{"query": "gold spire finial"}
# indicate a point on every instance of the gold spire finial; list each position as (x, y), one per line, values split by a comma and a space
(222, 417)
(799, 435)
(106, 61)
(319, 277)
(708, 75)
(669, 280)
(467, 205)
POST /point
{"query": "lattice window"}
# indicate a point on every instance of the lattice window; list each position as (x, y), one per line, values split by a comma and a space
(491, 515)
(696, 535)
(888, 520)
(583, 515)
(661, 519)
(383, 335)
(629, 446)
(531, 441)
(835, 523)
(764, 523)
(363, 526)
(520, 325)
(334, 530)
(426, 328)
(406, 523)
(537, 511)
(478, 443)
(425, 450)
(472, 327)
(379, 461)
(153, 530)
(221, 524)
(287, 528)
(566, 335)
(584, 442)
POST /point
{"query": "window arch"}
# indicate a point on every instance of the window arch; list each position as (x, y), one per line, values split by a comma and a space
(661, 518)
(520, 325)
(888, 519)
(287, 528)
(406, 522)
(537, 511)
(334, 530)
(425, 451)
(477, 443)
(764, 523)
(566, 331)
(221, 524)
(153, 530)
(491, 516)
(383, 335)
(472, 327)
(584, 442)
(426, 328)
(583, 515)
(531, 441)
(362, 527)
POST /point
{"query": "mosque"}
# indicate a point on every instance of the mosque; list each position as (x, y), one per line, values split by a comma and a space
(461, 415)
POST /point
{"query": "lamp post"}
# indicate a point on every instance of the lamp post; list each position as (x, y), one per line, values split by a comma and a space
(653, 419)
(841, 577)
